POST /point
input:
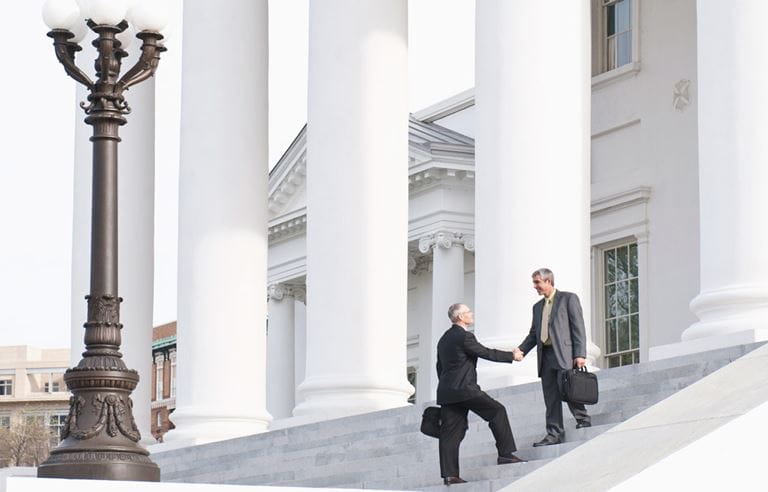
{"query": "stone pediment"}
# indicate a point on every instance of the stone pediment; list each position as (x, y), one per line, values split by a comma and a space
(434, 152)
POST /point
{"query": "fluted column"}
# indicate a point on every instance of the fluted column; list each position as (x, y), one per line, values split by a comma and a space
(281, 341)
(357, 205)
(447, 288)
(733, 116)
(532, 194)
(222, 222)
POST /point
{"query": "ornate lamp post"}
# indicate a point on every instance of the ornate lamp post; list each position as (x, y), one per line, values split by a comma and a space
(100, 438)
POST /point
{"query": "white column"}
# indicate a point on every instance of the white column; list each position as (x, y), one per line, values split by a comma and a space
(300, 344)
(532, 192)
(281, 336)
(81, 221)
(222, 288)
(733, 177)
(357, 201)
(136, 225)
(447, 288)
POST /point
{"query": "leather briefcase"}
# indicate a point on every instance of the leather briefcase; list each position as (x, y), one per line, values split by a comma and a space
(430, 422)
(580, 386)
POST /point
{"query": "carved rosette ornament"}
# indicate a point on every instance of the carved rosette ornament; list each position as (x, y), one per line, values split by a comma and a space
(100, 438)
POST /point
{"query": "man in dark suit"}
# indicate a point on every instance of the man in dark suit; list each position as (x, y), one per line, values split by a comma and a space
(458, 392)
(557, 332)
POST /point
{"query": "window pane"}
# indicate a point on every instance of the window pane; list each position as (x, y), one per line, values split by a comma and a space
(624, 48)
(610, 336)
(636, 357)
(626, 359)
(634, 301)
(622, 263)
(613, 361)
(635, 337)
(622, 298)
(610, 266)
(635, 322)
(633, 260)
(623, 333)
(623, 9)
(610, 16)
(610, 53)
(610, 301)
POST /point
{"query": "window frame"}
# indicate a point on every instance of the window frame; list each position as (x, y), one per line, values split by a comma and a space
(600, 294)
(172, 357)
(8, 388)
(601, 76)
(159, 383)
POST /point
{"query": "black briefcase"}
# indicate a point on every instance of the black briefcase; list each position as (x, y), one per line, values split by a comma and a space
(580, 386)
(430, 422)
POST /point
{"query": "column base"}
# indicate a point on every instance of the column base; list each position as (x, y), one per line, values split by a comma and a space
(194, 427)
(704, 344)
(733, 309)
(330, 398)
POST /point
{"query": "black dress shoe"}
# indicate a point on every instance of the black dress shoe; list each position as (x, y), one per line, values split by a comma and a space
(548, 441)
(583, 423)
(503, 460)
(453, 480)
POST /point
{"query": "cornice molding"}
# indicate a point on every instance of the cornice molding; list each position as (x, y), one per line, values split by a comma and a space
(617, 201)
(434, 175)
(447, 107)
(434, 153)
(288, 226)
(292, 179)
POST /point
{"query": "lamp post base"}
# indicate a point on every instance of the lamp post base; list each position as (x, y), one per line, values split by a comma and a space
(100, 465)
(100, 439)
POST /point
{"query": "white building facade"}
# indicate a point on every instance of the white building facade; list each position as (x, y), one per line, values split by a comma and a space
(617, 142)
(636, 251)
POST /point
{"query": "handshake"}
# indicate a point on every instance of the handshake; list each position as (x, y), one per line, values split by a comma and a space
(518, 354)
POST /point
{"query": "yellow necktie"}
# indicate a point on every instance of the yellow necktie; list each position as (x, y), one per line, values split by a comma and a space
(545, 321)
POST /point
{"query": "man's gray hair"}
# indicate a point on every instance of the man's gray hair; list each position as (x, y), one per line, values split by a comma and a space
(545, 274)
(453, 311)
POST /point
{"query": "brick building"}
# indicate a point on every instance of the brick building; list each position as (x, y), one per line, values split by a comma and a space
(164, 378)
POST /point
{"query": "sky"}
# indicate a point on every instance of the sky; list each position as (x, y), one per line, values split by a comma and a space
(38, 115)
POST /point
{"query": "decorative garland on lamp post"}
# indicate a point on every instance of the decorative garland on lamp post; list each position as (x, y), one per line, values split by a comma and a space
(100, 439)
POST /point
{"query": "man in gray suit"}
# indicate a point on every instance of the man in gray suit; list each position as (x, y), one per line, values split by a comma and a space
(557, 332)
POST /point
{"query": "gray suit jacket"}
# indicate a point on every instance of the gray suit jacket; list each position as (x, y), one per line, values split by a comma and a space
(566, 329)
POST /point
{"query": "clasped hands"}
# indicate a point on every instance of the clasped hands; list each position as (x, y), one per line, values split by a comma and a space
(578, 362)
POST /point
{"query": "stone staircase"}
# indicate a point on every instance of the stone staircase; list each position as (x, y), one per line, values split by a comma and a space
(385, 450)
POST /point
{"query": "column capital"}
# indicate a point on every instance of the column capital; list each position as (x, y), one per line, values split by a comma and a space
(446, 239)
(418, 264)
(279, 291)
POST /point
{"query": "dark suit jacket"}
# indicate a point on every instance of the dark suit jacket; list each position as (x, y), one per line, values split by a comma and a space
(566, 330)
(457, 353)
